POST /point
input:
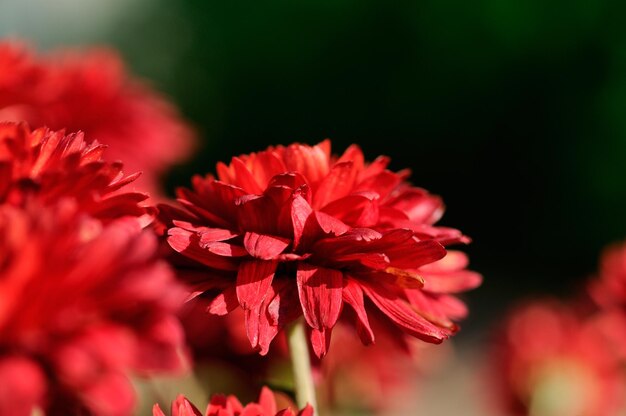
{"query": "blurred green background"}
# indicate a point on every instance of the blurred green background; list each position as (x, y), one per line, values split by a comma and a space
(513, 111)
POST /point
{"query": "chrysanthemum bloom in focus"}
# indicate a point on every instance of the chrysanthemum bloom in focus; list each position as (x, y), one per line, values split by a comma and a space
(292, 231)
(49, 165)
(547, 360)
(82, 304)
(91, 91)
(230, 406)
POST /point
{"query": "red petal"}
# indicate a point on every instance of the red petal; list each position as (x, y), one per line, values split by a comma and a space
(253, 281)
(188, 244)
(244, 178)
(267, 164)
(419, 205)
(285, 306)
(252, 409)
(156, 411)
(374, 168)
(401, 313)
(383, 183)
(330, 224)
(305, 225)
(338, 183)
(353, 295)
(264, 247)
(224, 303)
(219, 406)
(320, 341)
(257, 213)
(307, 411)
(353, 154)
(267, 401)
(320, 290)
(434, 308)
(260, 330)
(182, 407)
(452, 282)
(312, 162)
(358, 210)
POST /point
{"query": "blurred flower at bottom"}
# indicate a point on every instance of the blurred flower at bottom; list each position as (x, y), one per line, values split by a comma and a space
(548, 360)
(221, 405)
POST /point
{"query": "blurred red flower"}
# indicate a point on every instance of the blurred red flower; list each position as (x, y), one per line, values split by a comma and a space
(91, 91)
(609, 288)
(547, 360)
(51, 165)
(292, 230)
(230, 406)
(82, 304)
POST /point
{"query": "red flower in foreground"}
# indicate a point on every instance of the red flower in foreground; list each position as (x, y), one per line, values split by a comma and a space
(51, 165)
(91, 92)
(231, 406)
(291, 231)
(549, 361)
(81, 305)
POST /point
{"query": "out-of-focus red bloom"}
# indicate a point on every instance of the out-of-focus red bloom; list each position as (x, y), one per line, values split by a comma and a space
(49, 165)
(91, 91)
(549, 361)
(292, 230)
(82, 304)
(609, 288)
(381, 380)
(230, 406)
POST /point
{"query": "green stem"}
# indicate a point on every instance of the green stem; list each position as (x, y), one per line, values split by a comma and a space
(301, 363)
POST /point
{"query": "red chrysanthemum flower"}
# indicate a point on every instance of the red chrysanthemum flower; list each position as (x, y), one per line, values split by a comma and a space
(91, 92)
(82, 304)
(51, 165)
(230, 406)
(547, 360)
(292, 230)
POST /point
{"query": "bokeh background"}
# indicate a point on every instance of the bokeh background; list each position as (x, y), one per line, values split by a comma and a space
(513, 111)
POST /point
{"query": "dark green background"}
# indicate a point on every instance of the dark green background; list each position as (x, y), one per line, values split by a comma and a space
(513, 111)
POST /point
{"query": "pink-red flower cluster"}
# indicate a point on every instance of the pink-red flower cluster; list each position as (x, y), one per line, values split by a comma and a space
(294, 231)
(230, 406)
(48, 165)
(91, 92)
(82, 303)
(548, 360)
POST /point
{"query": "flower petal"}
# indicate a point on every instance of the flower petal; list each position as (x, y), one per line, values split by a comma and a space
(254, 279)
(353, 296)
(320, 341)
(320, 290)
(305, 225)
(224, 303)
(267, 401)
(337, 184)
(399, 311)
(262, 246)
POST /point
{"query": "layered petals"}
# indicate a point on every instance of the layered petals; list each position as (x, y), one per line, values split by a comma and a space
(221, 405)
(72, 286)
(90, 91)
(299, 232)
(49, 165)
